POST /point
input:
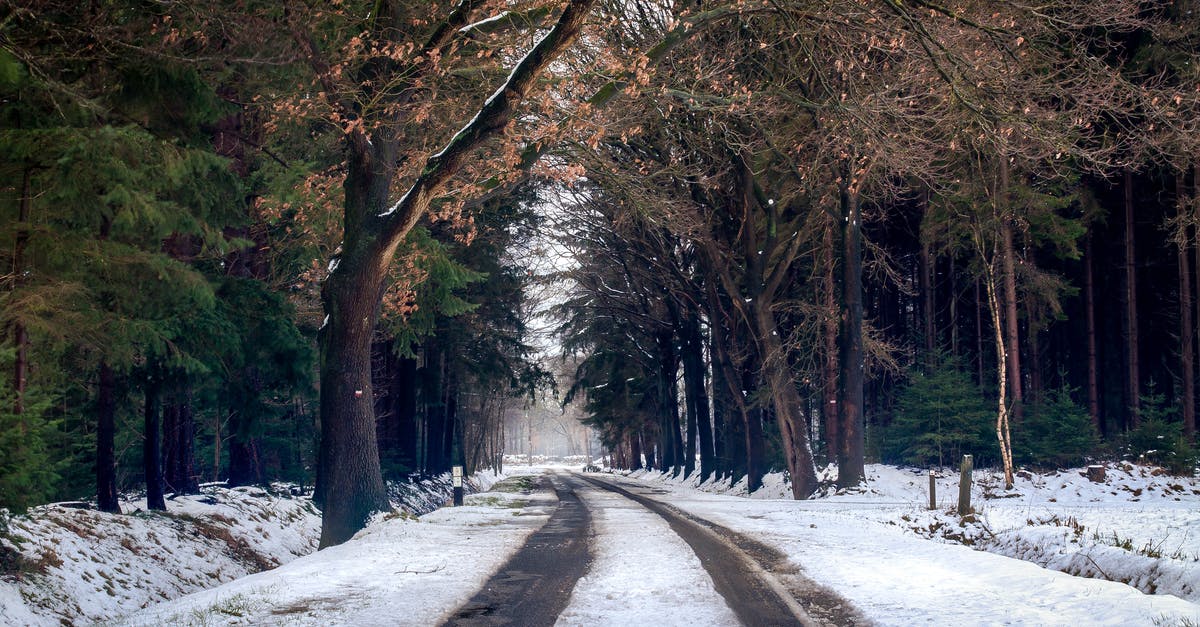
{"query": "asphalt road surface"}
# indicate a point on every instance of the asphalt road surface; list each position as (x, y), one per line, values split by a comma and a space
(757, 582)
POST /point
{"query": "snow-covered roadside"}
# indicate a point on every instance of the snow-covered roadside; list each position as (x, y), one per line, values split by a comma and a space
(641, 572)
(872, 545)
(399, 570)
(86, 566)
(83, 566)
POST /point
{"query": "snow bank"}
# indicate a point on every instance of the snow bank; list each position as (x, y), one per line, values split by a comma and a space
(86, 566)
(82, 566)
(400, 570)
(1140, 527)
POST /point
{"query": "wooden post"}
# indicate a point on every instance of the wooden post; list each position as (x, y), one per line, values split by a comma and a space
(932, 490)
(964, 486)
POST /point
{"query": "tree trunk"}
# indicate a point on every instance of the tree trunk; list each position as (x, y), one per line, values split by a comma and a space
(1008, 255)
(1003, 433)
(953, 307)
(151, 454)
(179, 431)
(979, 335)
(106, 428)
(668, 402)
(1186, 330)
(1093, 361)
(926, 287)
(20, 335)
(696, 394)
(170, 441)
(1132, 371)
(830, 416)
(350, 477)
(851, 461)
(789, 409)
(433, 397)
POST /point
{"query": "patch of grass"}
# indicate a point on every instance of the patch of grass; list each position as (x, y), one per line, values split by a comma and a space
(523, 483)
(237, 548)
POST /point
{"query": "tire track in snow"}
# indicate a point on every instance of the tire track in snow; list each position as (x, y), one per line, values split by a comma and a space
(744, 571)
(642, 573)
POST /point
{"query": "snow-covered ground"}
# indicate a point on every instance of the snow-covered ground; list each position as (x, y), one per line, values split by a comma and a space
(902, 563)
(401, 570)
(882, 548)
(81, 566)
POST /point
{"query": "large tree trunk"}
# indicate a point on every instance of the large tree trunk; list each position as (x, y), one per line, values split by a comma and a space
(851, 461)
(1093, 361)
(151, 453)
(350, 477)
(1132, 370)
(106, 429)
(1186, 330)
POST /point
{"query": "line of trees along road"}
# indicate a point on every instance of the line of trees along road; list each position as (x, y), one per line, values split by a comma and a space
(252, 242)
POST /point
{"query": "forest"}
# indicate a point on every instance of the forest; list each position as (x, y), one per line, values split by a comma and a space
(247, 242)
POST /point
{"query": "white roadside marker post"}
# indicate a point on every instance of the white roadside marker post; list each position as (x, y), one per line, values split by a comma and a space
(457, 482)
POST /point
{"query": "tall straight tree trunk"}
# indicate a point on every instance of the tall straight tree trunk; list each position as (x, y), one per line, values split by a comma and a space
(668, 401)
(1186, 330)
(170, 440)
(1093, 360)
(435, 409)
(728, 384)
(697, 393)
(635, 452)
(979, 335)
(926, 287)
(1132, 370)
(952, 275)
(752, 425)
(852, 462)
(829, 362)
(106, 429)
(1008, 255)
(179, 432)
(404, 408)
(1194, 217)
(20, 334)
(151, 453)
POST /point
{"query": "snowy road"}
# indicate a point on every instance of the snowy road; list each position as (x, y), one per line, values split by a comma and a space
(652, 562)
(405, 571)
